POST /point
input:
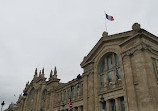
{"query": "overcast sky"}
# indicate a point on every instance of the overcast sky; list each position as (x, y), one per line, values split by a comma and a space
(49, 33)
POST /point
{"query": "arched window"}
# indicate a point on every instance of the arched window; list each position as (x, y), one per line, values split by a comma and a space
(109, 68)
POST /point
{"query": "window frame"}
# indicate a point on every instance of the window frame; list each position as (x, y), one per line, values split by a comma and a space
(114, 67)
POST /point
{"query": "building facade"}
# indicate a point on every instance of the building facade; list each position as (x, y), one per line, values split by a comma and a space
(119, 74)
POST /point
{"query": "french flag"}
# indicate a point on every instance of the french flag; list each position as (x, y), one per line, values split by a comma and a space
(111, 18)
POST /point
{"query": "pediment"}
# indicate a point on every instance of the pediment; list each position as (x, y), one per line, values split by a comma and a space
(119, 39)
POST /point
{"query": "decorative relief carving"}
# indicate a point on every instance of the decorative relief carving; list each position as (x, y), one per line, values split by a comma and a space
(138, 47)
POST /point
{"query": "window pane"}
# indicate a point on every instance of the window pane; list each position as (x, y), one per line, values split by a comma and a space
(118, 73)
(110, 76)
(110, 61)
(117, 60)
(102, 66)
(104, 106)
(82, 89)
(113, 106)
(102, 80)
(122, 104)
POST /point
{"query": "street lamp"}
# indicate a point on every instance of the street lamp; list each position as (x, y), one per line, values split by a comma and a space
(2, 104)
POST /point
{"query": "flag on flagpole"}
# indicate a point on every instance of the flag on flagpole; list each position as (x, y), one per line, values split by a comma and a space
(111, 18)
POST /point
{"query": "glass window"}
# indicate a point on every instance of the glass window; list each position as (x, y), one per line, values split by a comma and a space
(81, 109)
(118, 73)
(72, 92)
(113, 106)
(122, 104)
(102, 66)
(78, 87)
(64, 95)
(117, 61)
(102, 80)
(110, 76)
(82, 89)
(110, 66)
(110, 61)
(104, 106)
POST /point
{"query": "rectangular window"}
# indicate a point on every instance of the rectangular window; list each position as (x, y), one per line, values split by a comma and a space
(82, 89)
(102, 80)
(72, 92)
(110, 76)
(110, 61)
(118, 73)
(81, 108)
(68, 94)
(77, 90)
(122, 104)
(113, 106)
(103, 106)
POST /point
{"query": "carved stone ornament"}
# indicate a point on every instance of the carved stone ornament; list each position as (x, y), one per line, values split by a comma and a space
(136, 26)
(105, 34)
(137, 47)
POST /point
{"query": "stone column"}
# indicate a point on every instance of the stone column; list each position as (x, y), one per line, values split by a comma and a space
(108, 105)
(85, 93)
(147, 86)
(130, 93)
(118, 106)
(91, 99)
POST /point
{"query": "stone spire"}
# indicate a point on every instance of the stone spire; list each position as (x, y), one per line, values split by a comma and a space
(43, 72)
(35, 75)
(55, 72)
(27, 84)
(51, 74)
(40, 73)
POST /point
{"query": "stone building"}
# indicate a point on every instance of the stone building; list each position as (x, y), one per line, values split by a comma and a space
(119, 74)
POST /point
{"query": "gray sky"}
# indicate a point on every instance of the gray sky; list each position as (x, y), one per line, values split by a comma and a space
(49, 33)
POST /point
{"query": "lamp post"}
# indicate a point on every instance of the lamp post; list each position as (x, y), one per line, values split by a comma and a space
(2, 104)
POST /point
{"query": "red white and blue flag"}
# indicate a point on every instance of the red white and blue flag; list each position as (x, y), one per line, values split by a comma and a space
(111, 18)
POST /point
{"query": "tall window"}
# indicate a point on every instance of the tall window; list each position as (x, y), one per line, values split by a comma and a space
(103, 106)
(78, 89)
(110, 66)
(122, 104)
(72, 92)
(113, 106)
(81, 89)
(102, 80)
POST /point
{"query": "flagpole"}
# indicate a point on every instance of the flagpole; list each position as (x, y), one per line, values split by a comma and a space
(105, 22)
